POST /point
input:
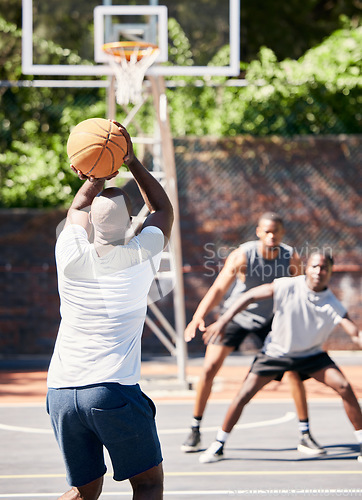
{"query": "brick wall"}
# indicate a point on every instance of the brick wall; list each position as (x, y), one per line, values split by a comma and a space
(224, 185)
(29, 304)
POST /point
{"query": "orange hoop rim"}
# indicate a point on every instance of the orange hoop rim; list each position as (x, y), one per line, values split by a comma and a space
(126, 49)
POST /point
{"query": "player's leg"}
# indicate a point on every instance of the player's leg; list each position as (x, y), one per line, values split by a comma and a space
(125, 422)
(148, 485)
(298, 393)
(215, 355)
(90, 491)
(334, 378)
(81, 449)
(252, 384)
(307, 444)
(214, 359)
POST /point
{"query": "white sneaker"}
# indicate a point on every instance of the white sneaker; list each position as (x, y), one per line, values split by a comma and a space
(214, 453)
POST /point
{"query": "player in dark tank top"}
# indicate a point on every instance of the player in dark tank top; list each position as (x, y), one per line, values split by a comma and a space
(251, 264)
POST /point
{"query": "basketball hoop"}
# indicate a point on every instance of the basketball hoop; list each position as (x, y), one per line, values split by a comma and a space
(130, 61)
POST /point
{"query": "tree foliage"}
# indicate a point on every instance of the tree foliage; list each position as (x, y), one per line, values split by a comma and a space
(289, 28)
(318, 93)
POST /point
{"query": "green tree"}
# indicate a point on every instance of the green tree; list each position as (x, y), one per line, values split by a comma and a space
(318, 93)
(289, 29)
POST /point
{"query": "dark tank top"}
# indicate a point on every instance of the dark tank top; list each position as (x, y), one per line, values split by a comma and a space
(258, 272)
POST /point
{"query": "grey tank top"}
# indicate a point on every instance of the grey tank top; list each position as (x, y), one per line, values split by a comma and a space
(258, 272)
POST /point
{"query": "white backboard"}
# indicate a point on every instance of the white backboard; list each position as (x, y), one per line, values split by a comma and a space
(33, 24)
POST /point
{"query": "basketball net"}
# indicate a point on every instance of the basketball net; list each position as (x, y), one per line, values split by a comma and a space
(129, 62)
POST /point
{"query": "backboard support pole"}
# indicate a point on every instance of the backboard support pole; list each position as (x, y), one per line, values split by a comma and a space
(111, 102)
(171, 336)
(160, 102)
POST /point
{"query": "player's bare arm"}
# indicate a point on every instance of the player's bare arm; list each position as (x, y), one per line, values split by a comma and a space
(235, 265)
(351, 329)
(153, 194)
(78, 212)
(295, 266)
(261, 292)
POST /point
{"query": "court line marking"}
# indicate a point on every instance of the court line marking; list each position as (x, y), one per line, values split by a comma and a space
(276, 421)
(209, 473)
(290, 415)
(262, 492)
(248, 492)
(31, 430)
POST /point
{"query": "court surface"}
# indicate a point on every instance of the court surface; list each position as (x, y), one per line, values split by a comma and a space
(261, 459)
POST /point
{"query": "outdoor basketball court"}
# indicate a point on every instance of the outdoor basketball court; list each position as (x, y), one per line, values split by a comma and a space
(261, 459)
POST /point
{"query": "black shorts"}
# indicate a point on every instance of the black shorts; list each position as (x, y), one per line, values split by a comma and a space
(235, 334)
(264, 365)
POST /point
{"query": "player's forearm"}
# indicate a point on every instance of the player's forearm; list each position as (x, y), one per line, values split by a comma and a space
(352, 330)
(256, 294)
(296, 266)
(211, 300)
(358, 339)
(245, 300)
(151, 190)
(87, 193)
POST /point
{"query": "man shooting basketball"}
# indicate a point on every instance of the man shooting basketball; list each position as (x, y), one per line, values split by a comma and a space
(94, 399)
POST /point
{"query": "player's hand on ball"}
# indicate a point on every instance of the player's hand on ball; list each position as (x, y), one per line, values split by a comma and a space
(91, 178)
(129, 157)
(79, 173)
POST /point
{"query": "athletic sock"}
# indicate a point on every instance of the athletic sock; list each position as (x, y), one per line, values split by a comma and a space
(196, 422)
(358, 435)
(303, 426)
(222, 436)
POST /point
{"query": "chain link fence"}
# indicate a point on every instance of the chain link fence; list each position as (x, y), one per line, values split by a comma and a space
(313, 182)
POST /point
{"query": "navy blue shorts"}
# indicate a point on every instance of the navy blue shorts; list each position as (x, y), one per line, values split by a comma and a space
(119, 417)
(264, 365)
(235, 334)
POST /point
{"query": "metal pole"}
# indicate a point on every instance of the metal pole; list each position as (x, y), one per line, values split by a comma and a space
(160, 100)
(111, 101)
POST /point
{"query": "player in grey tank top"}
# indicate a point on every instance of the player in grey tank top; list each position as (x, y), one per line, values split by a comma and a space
(305, 313)
(252, 264)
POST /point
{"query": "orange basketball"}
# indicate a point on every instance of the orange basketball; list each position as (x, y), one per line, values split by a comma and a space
(96, 147)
